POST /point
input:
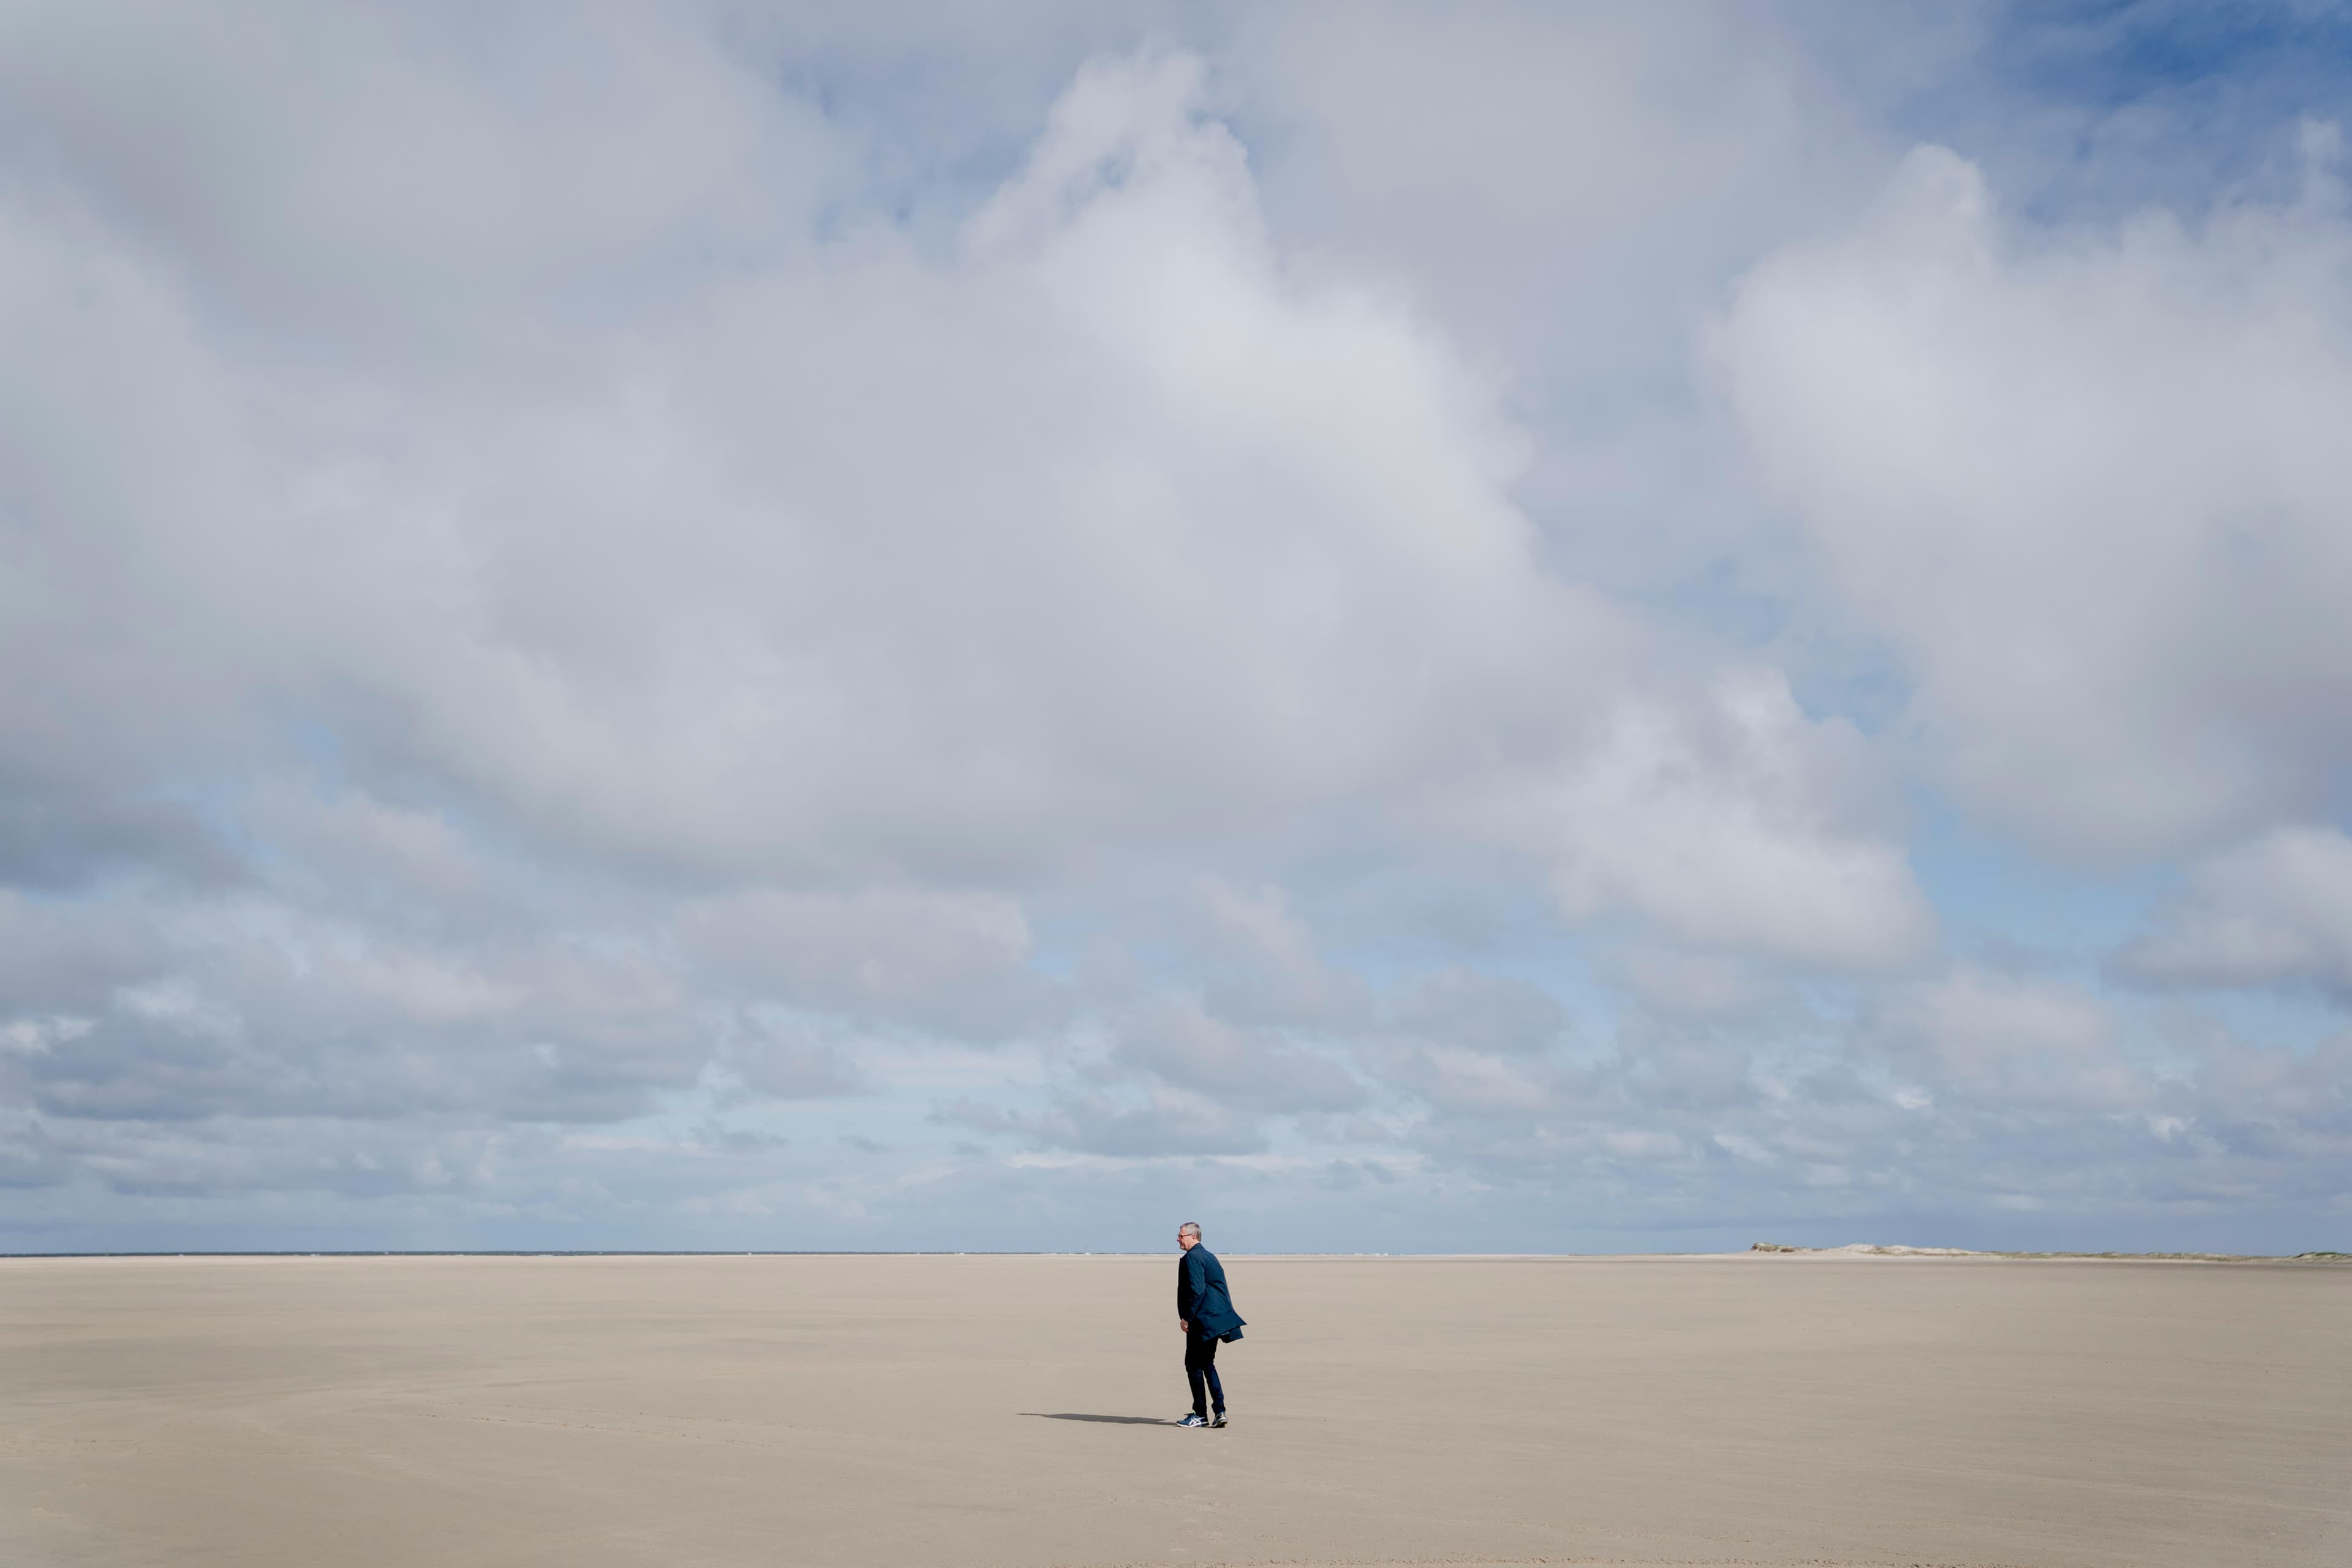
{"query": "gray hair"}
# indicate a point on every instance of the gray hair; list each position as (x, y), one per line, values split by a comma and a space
(1190, 1226)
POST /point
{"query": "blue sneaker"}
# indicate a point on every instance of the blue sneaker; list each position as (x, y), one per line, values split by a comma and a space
(1218, 1419)
(1193, 1420)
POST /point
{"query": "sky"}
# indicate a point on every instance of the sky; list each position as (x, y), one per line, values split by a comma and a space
(1390, 627)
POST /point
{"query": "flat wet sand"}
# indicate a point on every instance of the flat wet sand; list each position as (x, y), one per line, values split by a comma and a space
(723, 1411)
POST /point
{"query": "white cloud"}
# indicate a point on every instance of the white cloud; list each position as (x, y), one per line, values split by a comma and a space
(1998, 1041)
(943, 959)
(2276, 911)
(787, 1059)
(1747, 828)
(1261, 961)
(1678, 984)
(2089, 482)
(1181, 1045)
(1495, 1013)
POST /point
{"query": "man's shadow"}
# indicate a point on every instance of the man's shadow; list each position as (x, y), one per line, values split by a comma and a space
(1108, 1420)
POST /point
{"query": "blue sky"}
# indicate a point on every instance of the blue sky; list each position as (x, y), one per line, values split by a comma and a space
(1521, 627)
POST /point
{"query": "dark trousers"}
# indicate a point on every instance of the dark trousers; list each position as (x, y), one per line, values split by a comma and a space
(1201, 1366)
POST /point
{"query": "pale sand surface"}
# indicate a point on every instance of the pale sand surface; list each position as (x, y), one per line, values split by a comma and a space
(592, 1412)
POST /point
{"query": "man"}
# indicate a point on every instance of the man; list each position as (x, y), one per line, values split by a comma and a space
(1205, 1311)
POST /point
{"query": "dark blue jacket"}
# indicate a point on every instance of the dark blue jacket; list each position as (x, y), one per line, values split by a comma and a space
(1202, 1299)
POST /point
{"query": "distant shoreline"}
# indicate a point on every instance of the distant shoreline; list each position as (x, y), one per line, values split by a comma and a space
(1863, 1249)
(1758, 1251)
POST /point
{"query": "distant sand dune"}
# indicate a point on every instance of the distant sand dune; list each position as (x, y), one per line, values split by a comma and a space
(1874, 1249)
(591, 1412)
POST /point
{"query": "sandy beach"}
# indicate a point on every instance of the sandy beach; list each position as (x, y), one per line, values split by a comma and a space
(592, 1412)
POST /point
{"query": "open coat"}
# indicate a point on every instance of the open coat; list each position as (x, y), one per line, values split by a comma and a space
(1202, 1299)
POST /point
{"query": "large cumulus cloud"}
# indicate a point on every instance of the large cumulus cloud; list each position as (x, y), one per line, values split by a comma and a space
(2088, 482)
